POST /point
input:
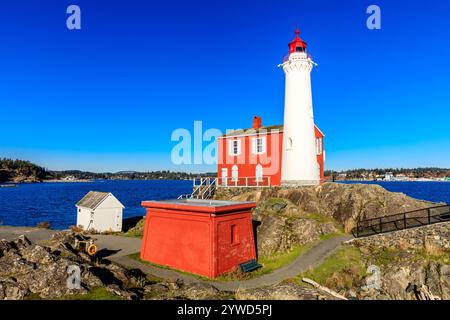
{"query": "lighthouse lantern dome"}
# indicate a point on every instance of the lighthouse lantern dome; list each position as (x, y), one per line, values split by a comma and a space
(297, 45)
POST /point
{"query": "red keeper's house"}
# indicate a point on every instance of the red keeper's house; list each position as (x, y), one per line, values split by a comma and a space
(253, 157)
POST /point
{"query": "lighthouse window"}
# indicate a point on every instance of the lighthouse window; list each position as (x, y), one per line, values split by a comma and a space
(299, 49)
(289, 144)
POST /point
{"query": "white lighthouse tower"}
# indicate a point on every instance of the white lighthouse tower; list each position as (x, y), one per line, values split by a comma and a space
(299, 158)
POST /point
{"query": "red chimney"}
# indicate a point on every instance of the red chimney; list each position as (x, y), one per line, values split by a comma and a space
(257, 122)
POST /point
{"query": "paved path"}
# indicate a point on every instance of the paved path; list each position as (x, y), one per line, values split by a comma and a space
(313, 257)
(117, 249)
(33, 234)
(109, 246)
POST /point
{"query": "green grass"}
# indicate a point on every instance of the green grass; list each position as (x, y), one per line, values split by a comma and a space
(96, 293)
(338, 271)
(327, 236)
(137, 256)
(131, 234)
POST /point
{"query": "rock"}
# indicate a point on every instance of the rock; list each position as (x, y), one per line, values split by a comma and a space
(42, 270)
(445, 281)
(36, 254)
(10, 290)
(200, 291)
(432, 279)
(284, 291)
(155, 290)
(344, 202)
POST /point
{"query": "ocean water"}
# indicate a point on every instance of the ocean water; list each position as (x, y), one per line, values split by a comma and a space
(29, 204)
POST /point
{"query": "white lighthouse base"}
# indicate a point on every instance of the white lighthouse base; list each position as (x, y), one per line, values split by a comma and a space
(293, 183)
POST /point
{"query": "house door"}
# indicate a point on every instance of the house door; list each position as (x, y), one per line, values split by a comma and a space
(224, 176)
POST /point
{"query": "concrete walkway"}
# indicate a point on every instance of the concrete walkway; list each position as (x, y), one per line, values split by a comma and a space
(313, 257)
(117, 249)
(33, 234)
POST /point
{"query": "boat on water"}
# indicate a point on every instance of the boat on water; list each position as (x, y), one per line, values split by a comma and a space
(8, 185)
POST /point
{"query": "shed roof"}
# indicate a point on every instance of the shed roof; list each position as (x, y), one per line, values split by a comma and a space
(93, 199)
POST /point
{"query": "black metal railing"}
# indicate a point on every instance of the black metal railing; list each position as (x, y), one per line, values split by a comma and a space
(402, 221)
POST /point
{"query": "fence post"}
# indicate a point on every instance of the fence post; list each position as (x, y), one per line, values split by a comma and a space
(429, 216)
(246, 181)
(404, 219)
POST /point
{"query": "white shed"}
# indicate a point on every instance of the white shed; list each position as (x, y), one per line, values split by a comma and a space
(99, 211)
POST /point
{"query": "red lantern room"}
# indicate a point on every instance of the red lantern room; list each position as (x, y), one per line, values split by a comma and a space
(297, 45)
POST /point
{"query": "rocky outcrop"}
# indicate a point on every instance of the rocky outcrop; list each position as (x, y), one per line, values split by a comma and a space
(344, 202)
(413, 264)
(30, 270)
(283, 226)
(284, 291)
(431, 238)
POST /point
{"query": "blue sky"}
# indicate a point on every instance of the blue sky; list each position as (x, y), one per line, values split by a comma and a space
(107, 97)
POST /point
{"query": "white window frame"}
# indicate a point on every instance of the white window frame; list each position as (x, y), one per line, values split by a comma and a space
(255, 145)
(235, 173)
(231, 146)
(260, 168)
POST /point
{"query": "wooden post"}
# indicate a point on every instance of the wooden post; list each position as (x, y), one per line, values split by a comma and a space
(381, 226)
(429, 216)
(404, 220)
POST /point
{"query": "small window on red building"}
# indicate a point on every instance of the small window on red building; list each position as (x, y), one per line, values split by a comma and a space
(234, 234)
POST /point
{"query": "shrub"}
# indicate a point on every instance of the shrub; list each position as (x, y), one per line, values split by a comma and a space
(43, 225)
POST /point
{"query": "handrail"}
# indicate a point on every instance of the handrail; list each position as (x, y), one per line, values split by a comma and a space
(401, 221)
(400, 214)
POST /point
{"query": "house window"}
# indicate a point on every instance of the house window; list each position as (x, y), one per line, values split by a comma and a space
(234, 147)
(259, 145)
(92, 214)
(234, 234)
(259, 173)
(234, 173)
(79, 210)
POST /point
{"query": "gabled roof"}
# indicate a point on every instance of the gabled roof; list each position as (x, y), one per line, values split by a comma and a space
(94, 198)
(250, 131)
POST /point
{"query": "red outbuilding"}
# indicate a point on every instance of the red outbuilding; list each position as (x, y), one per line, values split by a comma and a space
(204, 237)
